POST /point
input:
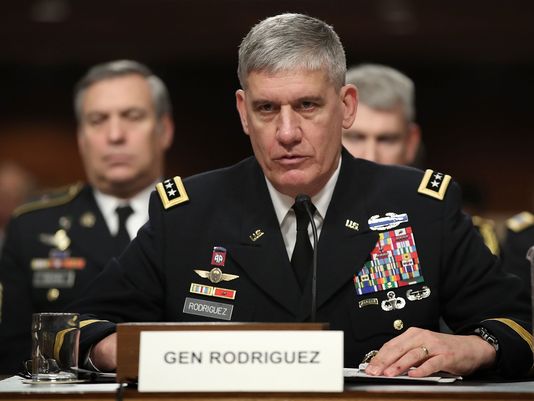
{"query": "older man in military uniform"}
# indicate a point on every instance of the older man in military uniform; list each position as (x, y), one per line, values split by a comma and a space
(394, 252)
(519, 239)
(58, 244)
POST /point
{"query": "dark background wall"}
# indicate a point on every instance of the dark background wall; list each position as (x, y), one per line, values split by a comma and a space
(472, 62)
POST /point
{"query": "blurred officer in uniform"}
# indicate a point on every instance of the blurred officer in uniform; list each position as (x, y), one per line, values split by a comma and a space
(394, 251)
(519, 239)
(16, 185)
(58, 244)
(385, 130)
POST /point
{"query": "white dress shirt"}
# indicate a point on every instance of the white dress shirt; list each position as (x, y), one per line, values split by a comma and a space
(286, 216)
(139, 203)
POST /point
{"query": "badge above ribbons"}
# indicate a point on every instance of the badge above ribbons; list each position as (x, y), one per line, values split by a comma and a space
(394, 263)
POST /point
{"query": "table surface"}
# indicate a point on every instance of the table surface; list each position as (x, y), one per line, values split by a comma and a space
(14, 388)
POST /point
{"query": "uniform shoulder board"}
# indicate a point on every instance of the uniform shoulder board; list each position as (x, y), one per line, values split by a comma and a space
(486, 228)
(520, 221)
(56, 197)
(434, 184)
(172, 192)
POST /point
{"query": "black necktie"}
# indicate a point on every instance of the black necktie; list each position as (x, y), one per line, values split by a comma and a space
(122, 239)
(303, 251)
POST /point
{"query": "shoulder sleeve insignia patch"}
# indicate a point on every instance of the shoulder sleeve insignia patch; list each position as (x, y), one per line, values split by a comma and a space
(520, 222)
(172, 192)
(434, 184)
(56, 197)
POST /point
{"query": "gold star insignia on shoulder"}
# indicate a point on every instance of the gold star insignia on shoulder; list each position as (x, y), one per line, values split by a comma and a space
(172, 192)
(434, 184)
(520, 221)
(215, 275)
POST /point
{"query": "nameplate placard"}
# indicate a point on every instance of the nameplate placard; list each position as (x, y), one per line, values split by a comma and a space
(241, 361)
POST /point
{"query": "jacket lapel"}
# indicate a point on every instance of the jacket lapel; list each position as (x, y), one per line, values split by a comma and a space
(94, 241)
(342, 248)
(261, 250)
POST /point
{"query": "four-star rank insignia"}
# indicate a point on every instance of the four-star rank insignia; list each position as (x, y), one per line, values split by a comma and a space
(172, 192)
(434, 184)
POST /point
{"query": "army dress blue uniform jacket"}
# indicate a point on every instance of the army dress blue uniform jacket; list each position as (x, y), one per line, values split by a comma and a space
(53, 249)
(231, 208)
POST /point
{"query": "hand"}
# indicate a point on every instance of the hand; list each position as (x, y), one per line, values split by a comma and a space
(431, 352)
(104, 354)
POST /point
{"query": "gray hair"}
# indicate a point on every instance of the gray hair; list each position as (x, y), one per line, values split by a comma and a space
(120, 68)
(383, 88)
(292, 41)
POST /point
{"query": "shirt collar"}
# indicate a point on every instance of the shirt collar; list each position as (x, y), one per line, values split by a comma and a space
(282, 203)
(108, 203)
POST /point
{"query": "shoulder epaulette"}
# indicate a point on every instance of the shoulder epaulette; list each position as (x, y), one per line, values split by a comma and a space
(172, 192)
(486, 228)
(520, 221)
(56, 197)
(434, 184)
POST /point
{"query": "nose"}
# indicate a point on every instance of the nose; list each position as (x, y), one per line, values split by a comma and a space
(288, 127)
(370, 151)
(116, 130)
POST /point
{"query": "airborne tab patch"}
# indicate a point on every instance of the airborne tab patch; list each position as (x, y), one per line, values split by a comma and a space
(434, 184)
(172, 192)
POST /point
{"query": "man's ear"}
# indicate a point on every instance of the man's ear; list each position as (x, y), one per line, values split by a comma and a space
(166, 131)
(413, 140)
(240, 102)
(349, 97)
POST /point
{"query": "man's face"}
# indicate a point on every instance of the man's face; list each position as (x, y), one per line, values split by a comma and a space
(382, 136)
(294, 120)
(121, 141)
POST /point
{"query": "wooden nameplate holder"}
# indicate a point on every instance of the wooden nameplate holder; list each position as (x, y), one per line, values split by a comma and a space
(128, 335)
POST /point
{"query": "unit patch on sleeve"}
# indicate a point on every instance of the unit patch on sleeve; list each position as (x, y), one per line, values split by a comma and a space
(394, 263)
(434, 184)
(172, 192)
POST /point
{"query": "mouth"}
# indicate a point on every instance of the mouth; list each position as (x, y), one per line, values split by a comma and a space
(117, 159)
(291, 160)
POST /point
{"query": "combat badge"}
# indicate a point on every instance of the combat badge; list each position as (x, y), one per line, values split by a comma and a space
(417, 295)
(393, 302)
(172, 192)
(391, 220)
(59, 240)
(434, 184)
(215, 275)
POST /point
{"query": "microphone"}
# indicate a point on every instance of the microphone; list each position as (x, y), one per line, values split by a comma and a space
(305, 201)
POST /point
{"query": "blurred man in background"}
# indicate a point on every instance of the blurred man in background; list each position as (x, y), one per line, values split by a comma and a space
(16, 185)
(385, 130)
(56, 245)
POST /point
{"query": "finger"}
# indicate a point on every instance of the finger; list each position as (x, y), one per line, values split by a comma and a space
(393, 350)
(412, 358)
(429, 367)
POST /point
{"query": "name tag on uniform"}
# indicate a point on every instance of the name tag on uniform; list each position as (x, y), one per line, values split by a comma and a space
(201, 307)
(241, 361)
(53, 278)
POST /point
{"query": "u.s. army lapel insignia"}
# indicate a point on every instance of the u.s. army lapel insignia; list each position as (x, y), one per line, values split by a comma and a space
(352, 225)
(172, 192)
(434, 184)
(215, 275)
(256, 235)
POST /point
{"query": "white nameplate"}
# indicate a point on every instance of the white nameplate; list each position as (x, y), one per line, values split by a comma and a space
(259, 361)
